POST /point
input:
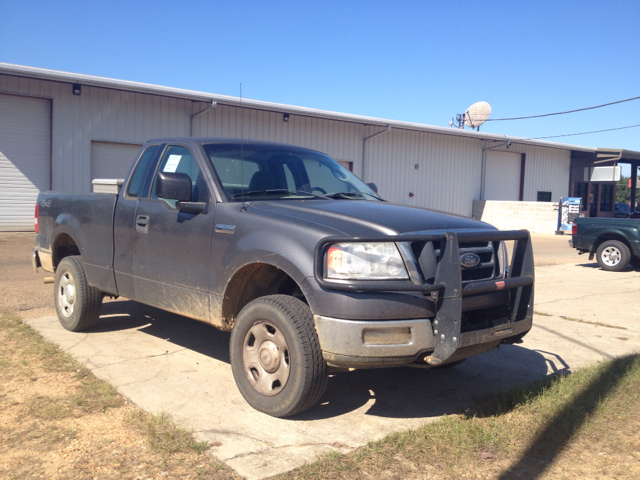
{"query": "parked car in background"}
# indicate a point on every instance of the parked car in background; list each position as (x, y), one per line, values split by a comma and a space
(623, 210)
(615, 242)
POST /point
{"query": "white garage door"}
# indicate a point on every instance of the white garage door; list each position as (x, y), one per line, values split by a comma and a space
(112, 160)
(502, 176)
(25, 159)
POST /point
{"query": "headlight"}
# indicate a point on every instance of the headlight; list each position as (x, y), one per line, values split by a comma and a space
(503, 258)
(365, 261)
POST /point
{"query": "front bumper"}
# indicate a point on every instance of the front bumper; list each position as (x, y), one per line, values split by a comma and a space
(349, 343)
(442, 338)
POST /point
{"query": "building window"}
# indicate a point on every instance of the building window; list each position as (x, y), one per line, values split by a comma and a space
(346, 164)
(581, 190)
(606, 198)
(544, 196)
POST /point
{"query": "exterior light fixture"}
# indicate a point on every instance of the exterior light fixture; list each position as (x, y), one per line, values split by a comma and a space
(285, 117)
(77, 89)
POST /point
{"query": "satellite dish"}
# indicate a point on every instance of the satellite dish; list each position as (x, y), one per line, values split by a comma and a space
(477, 114)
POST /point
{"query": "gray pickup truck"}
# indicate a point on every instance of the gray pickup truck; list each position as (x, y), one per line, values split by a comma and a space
(305, 264)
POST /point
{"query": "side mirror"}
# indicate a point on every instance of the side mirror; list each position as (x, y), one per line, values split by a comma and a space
(373, 187)
(174, 186)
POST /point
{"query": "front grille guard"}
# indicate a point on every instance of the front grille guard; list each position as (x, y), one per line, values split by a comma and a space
(447, 290)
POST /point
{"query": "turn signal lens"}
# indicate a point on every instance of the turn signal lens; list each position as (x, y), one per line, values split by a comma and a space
(37, 226)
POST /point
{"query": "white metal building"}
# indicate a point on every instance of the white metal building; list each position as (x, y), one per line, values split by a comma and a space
(60, 130)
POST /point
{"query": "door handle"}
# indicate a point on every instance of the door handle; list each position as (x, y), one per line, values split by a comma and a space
(142, 223)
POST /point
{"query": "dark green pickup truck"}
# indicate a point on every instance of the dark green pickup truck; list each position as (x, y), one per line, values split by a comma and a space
(615, 242)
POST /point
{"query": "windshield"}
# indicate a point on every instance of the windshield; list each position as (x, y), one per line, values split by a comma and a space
(277, 172)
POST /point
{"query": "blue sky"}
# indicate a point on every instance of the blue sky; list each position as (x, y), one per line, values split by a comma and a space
(418, 61)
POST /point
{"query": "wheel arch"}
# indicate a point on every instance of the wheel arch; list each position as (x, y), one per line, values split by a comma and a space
(64, 245)
(254, 280)
(612, 235)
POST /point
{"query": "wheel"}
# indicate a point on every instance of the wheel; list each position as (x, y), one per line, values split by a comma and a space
(275, 356)
(613, 255)
(635, 262)
(77, 304)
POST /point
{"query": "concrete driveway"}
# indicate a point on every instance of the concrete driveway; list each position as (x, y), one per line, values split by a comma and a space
(164, 362)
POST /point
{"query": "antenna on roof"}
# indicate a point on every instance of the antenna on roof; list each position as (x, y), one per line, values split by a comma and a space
(474, 116)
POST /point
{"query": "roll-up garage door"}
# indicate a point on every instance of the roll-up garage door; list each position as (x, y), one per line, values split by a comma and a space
(502, 176)
(112, 160)
(25, 158)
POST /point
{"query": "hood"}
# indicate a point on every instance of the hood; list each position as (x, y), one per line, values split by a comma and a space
(359, 218)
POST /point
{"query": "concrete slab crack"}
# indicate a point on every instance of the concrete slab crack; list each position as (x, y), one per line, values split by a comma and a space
(281, 447)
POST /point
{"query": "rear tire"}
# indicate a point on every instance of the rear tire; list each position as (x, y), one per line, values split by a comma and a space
(276, 358)
(78, 305)
(613, 255)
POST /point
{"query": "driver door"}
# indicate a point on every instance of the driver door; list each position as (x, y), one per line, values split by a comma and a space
(172, 259)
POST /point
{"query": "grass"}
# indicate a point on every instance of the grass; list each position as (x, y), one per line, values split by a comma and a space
(583, 425)
(164, 435)
(53, 410)
(522, 433)
(30, 352)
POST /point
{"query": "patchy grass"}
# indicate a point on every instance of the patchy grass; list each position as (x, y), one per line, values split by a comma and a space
(584, 425)
(57, 420)
(164, 435)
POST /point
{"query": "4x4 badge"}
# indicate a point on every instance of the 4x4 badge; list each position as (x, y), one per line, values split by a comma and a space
(469, 260)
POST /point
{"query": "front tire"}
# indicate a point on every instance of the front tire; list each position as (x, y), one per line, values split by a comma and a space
(78, 305)
(613, 255)
(276, 358)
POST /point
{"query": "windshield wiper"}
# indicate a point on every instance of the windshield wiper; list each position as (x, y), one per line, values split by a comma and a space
(277, 191)
(350, 195)
(260, 192)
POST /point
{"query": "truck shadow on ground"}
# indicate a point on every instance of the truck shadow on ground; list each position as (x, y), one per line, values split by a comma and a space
(628, 268)
(391, 392)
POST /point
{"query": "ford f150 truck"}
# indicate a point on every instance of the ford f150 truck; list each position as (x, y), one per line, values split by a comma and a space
(303, 263)
(615, 242)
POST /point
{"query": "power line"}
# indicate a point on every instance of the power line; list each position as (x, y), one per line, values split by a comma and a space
(562, 113)
(586, 133)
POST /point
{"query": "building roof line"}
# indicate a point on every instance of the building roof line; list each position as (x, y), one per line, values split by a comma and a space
(127, 85)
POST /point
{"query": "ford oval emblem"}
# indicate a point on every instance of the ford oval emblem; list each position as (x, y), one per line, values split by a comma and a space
(469, 260)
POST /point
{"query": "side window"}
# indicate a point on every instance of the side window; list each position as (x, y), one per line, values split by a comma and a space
(179, 160)
(140, 173)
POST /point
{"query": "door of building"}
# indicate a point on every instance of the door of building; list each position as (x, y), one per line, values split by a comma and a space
(502, 176)
(25, 158)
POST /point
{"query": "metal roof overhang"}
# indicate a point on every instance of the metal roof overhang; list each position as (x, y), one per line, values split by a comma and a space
(103, 82)
(617, 155)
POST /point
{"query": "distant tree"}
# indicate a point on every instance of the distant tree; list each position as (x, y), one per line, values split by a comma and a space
(623, 192)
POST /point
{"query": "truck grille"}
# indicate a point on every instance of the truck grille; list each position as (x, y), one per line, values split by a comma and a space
(489, 268)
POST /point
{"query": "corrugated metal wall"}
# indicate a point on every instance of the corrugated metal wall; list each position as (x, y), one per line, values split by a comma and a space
(98, 114)
(340, 140)
(448, 176)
